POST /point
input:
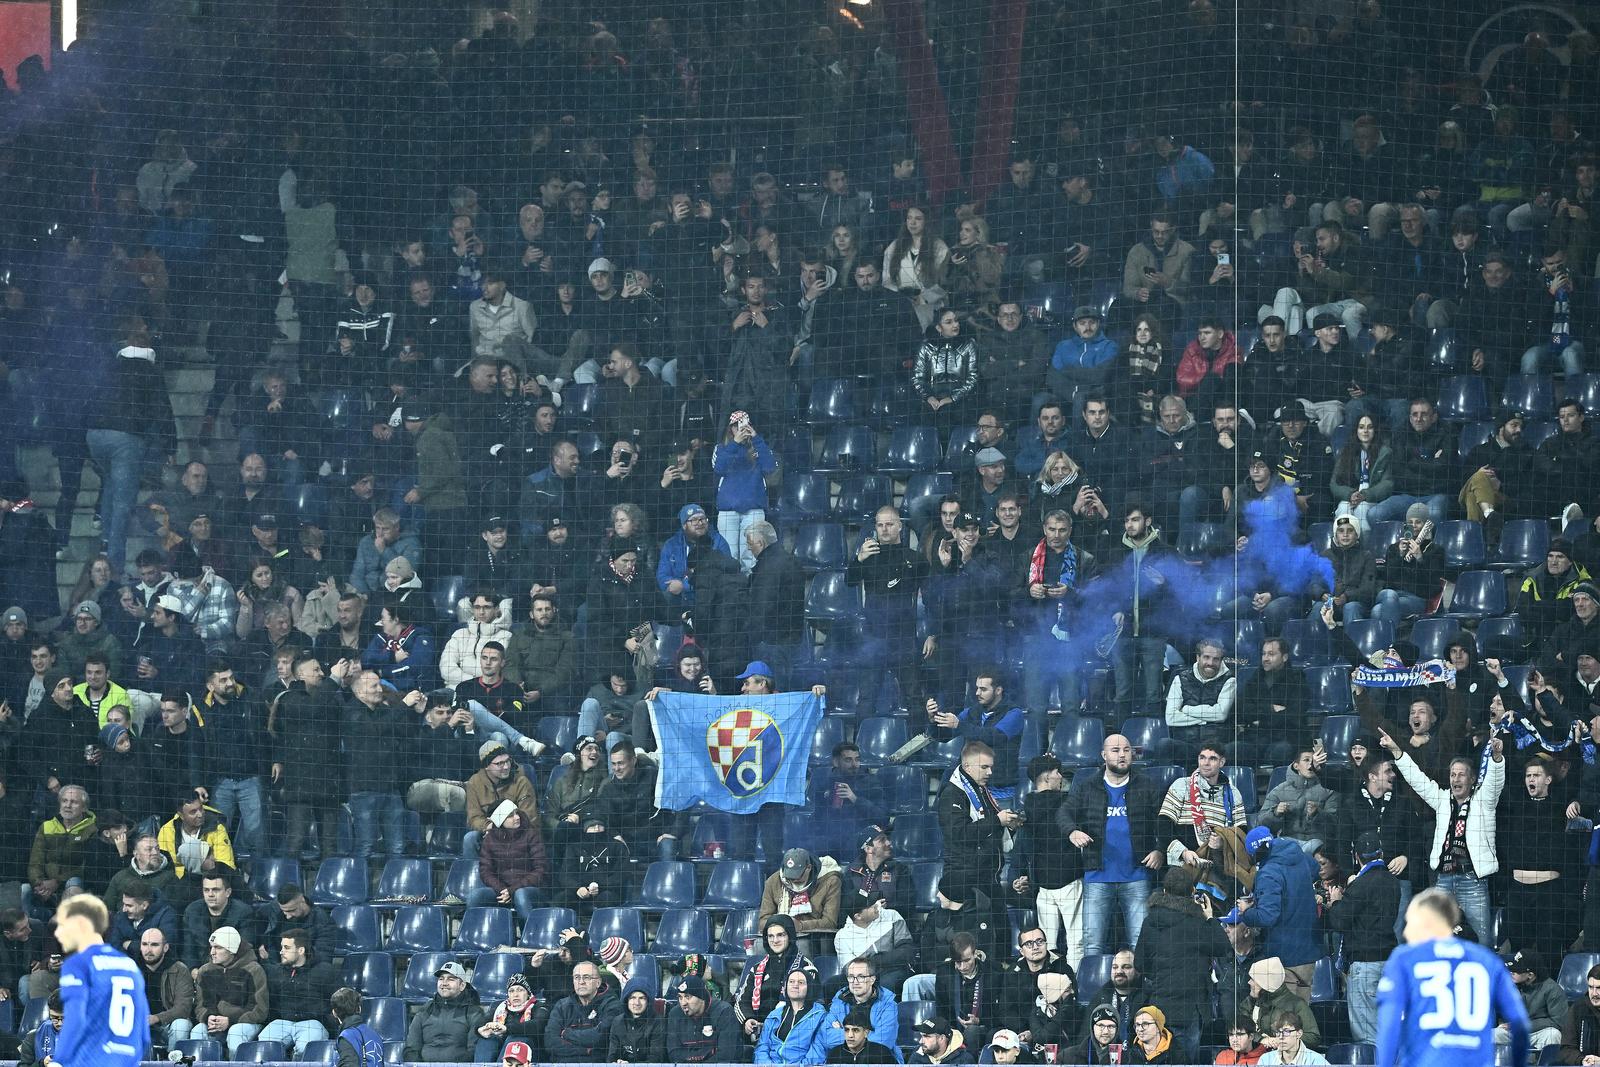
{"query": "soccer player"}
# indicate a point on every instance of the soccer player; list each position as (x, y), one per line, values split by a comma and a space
(106, 1017)
(1436, 993)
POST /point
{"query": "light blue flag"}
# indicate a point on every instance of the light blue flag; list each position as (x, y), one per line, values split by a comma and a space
(734, 753)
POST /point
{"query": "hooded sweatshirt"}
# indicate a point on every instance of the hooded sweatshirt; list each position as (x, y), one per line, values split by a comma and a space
(761, 985)
(638, 1038)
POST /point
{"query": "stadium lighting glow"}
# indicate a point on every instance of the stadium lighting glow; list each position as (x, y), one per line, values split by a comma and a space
(69, 22)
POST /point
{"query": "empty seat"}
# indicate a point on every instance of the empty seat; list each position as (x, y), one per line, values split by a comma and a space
(1371, 635)
(1244, 780)
(911, 1013)
(1077, 740)
(580, 403)
(1384, 534)
(922, 496)
(1462, 542)
(904, 789)
(1532, 394)
(805, 496)
(819, 546)
(829, 599)
(830, 732)
(492, 971)
(1502, 638)
(418, 929)
(1329, 689)
(1199, 540)
(1585, 388)
(911, 450)
(734, 884)
(741, 932)
(320, 1052)
(1433, 635)
(1320, 535)
(1472, 435)
(340, 881)
(917, 838)
(712, 830)
(404, 879)
(1478, 594)
(833, 400)
(667, 884)
(419, 983)
(1248, 634)
(370, 972)
(848, 448)
(1523, 543)
(358, 927)
(207, 1049)
(1353, 1053)
(626, 923)
(1145, 733)
(1574, 974)
(485, 929)
(682, 931)
(878, 738)
(557, 731)
(387, 1015)
(269, 873)
(1337, 733)
(1324, 982)
(445, 597)
(261, 1052)
(1093, 972)
(1463, 398)
(861, 495)
(925, 884)
(543, 926)
(891, 401)
(1535, 434)
(1308, 642)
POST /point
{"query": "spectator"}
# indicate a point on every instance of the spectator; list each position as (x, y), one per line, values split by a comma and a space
(806, 890)
(236, 759)
(56, 861)
(853, 800)
(216, 909)
(1085, 361)
(701, 1029)
(1047, 435)
(167, 653)
(1301, 807)
(1272, 709)
(304, 727)
(1543, 600)
(1361, 474)
(991, 720)
(594, 867)
(792, 1032)
(939, 1043)
(1541, 905)
(1157, 270)
(1112, 819)
(1424, 465)
(973, 824)
(862, 1004)
(231, 992)
(877, 873)
(1200, 700)
(1242, 1048)
(168, 986)
(401, 652)
(387, 542)
(541, 657)
(1543, 998)
(1580, 1032)
(499, 778)
(1365, 911)
(459, 660)
(300, 984)
(1019, 979)
(1412, 570)
(857, 1045)
(872, 930)
(1138, 651)
(1177, 935)
(1057, 570)
(761, 986)
(776, 604)
(892, 576)
(195, 823)
(1288, 1038)
(638, 1035)
(743, 462)
(1096, 1047)
(443, 1029)
(519, 1016)
(627, 804)
(1282, 906)
(1198, 805)
(1270, 998)
(1051, 868)
(511, 858)
(292, 911)
(1355, 571)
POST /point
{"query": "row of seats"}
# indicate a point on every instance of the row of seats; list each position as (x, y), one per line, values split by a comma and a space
(1465, 397)
(1523, 542)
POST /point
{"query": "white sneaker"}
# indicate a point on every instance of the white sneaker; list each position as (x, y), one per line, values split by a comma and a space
(1570, 514)
(531, 747)
(568, 759)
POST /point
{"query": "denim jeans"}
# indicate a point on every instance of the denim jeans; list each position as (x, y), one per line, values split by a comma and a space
(1130, 656)
(732, 525)
(1049, 665)
(245, 798)
(238, 1034)
(119, 456)
(525, 900)
(1350, 311)
(1394, 508)
(182, 1030)
(1473, 896)
(294, 1035)
(1101, 901)
(1394, 606)
(1570, 357)
(1361, 991)
(487, 722)
(366, 809)
(589, 720)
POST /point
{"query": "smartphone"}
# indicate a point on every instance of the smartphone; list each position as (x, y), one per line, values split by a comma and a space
(1150, 271)
(625, 460)
(629, 278)
(1224, 259)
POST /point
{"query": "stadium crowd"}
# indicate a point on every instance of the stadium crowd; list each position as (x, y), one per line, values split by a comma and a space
(1192, 539)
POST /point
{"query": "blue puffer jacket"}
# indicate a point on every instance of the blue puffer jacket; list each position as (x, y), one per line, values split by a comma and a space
(743, 484)
(1285, 910)
(885, 1022)
(674, 563)
(801, 1046)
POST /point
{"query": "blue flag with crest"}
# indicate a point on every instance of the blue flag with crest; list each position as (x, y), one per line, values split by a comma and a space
(734, 753)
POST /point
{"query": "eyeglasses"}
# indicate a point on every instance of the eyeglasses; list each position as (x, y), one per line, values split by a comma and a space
(1288, 1031)
(858, 977)
(1147, 1024)
(1033, 942)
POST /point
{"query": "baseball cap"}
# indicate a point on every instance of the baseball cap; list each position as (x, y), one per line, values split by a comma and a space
(935, 1025)
(987, 456)
(415, 411)
(755, 667)
(453, 969)
(226, 938)
(494, 522)
(1257, 838)
(1085, 311)
(967, 520)
(1005, 1039)
(1291, 413)
(89, 608)
(795, 862)
(601, 264)
(517, 1052)
(1326, 319)
(14, 614)
(265, 520)
(168, 602)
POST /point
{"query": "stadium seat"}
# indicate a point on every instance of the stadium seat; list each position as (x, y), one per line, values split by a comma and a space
(921, 501)
(848, 448)
(1445, 352)
(1164, 774)
(492, 971)
(1523, 543)
(891, 401)
(740, 926)
(1432, 635)
(1574, 973)
(556, 731)
(712, 830)
(828, 968)
(1145, 733)
(1478, 594)
(394, 1052)
(1093, 972)
(911, 1013)
(1384, 534)
(917, 838)
(1337, 733)
(1535, 434)
(320, 1052)
(1503, 638)
(1463, 398)
(1248, 635)
(734, 884)
(387, 1015)
(830, 600)
(404, 879)
(626, 923)
(925, 884)
(261, 1052)
(463, 878)
(1462, 542)
(206, 1050)
(682, 931)
(647, 969)
(667, 884)
(580, 403)
(1244, 780)
(1353, 1054)
(447, 838)
(1198, 540)
(419, 984)
(1077, 740)
(1324, 982)
(311, 505)
(370, 972)
(358, 927)
(340, 881)
(421, 928)
(879, 737)
(485, 929)
(830, 731)
(1371, 635)
(819, 546)
(860, 495)
(592, 449)
(1320, 536)
(911, 450)
(834, 401)
(543, 926)
(1532, 394)
(805, 496)
(446, 595)
(1585, 388)
(904, 789)
(1472, 435)
(269, 873)
(1308, 643)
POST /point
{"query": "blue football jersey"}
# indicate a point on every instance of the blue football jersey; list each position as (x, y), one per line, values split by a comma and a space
(1439, 1003)
(105, 1017)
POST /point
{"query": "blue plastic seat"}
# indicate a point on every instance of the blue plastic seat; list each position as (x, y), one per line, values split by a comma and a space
(667, 884)
(1077, 740)
(492, 971)
(734, 884)
(1446, 353)
(581, 403)
(891, 401)
(1324, 982)
(485, 929)
(1433, 635)
(1503, 638)
(1248, 634)
(1145, 733)
(819, 546)
(917, 838)
(387, 1015)
(358, 927)
(593, 449)
(421, 928)
(878, 738)
(921, 501)
(1244, 780)
(1472, 435)
(270, 873)
(1523, 543)
(861, 495)
(311, 505)
(1164, 774)
(1585, 389)
(830, 600)
(419, 983)
(1320, 536)
(848, 448)
(963, 440)
(1463, 398)
(911, 450)
(1574, 974)
(320, 1052)
(905, 789)
(370, 972)
(405, 878)
(261, 1052)
(394, 1052)
(1462, 542)
(1532, 394)
(647, 969)
(806, 496)
(739, 927)
(1535, 434)
(830, 731)
(711, 828)
(203, 1050)
(1093, 972)
(542, 928)
(557, 731)
(1199, 540)
(1479, 594)
(911, 1013)
(1383, 536)
(833, 401)
(1338, 731)
(340, 881)
(463, 878)
(446, 838)
(1308, 643)
(682, 931)
(1371, 635)
(925, 884)
(626, 923)
(1353, 1054)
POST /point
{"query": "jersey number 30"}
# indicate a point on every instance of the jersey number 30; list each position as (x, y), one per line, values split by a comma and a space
(1459, 992)
(123, 1010)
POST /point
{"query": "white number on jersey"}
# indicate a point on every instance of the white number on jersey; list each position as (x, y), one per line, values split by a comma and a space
(1460, 994)
(123, 1010)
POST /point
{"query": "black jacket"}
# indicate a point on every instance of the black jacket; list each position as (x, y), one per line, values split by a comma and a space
(305, 740)
(300, 994)
(1085, 810)
(1174, 952)
(776, 608)
(1365, 916)
(971, 848)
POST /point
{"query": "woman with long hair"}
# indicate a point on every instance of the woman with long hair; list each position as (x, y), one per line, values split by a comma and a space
(843, 252)
(94, 583)
(1148, 366)
(975, 267)
(1362, 475)
(265, 588)
(915, 261)
(944, 374)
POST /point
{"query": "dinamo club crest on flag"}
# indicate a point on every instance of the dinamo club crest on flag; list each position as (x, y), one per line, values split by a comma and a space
(746, 749)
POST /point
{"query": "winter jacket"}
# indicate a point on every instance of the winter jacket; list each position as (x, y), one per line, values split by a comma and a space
(776, 600)
(1196, 701)
(1085, 810)
(484, 795)
(168, 991)
(1298, 792)
(823, 918)
(237, 990)
(367, 572)
(1355, 573)
(1176, 263)
(159, 880)
(1285, 910)
(971, 845)
(885, 1021)
(58, 850)
(574, 793)
(1012, 364)
(713, 1037)
(1176, 945)
(1480, 815)
(416, 671)
(133, 399)
(802, 1043)
(1077, 363)
(541, 660)
(1257, 698)
(674, 562)
(1379, 482)
(1580, 1032)
(213, 831)
(1424, 463)
(512, 859)
(199, 924)
(1365, 915)
(492, 326)
(441, 480)
(445, 1031)
(1199, 367)
(887, 940)
(300, 994)
(741, 484)
(637, 1038)
(946, 367)
(577, 1033)
(305, 742)
(459, 661)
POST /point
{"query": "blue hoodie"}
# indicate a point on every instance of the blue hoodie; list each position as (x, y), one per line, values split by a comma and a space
(674, 563)
(743, 485)
(885, 1022)
(804, 1043)
(1285, 910)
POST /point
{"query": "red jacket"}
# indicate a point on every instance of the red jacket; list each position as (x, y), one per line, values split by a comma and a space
(1197, 363)
(512, 859)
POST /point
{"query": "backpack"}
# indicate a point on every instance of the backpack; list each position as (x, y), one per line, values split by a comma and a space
(365, 1040)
